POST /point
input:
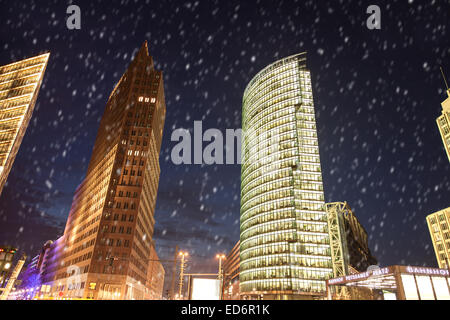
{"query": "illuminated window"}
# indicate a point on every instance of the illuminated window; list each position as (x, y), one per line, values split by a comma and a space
(409, 286)
(141, 99)
(425, 288)
(440, 288)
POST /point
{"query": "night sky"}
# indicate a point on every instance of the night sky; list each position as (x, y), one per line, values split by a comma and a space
(377, 94)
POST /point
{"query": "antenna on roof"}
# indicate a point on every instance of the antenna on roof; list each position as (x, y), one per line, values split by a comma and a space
(443, 76)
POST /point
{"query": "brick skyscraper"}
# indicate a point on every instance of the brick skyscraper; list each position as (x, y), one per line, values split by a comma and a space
(107, 243)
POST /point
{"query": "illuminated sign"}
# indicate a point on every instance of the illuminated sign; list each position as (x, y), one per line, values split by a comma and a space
(205, 289)
(362, 275)
(428, 271)
(386, 270)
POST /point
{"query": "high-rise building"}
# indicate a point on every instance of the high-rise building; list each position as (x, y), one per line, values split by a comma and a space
(439, 227)
(443, 123)
(19, 87)
(231, 265)
(107, 243)
(155, 277)
(349, 241)
(285, 247)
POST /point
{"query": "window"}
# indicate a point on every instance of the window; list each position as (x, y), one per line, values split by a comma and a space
(141, 99)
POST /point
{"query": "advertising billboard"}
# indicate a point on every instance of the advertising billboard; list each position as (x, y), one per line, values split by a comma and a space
(205, 289)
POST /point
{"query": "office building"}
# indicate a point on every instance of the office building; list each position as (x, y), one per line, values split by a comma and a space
(106, 249)
(439, 227)
(443, 123)
(19, 87)
(284, 241)
(230, 287)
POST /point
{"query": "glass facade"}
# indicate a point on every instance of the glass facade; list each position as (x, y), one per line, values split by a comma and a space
(439, 227)
(284, 246)
(19, 87)
(443, 123)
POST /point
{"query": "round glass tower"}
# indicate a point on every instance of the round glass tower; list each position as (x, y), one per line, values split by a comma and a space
(285, 251)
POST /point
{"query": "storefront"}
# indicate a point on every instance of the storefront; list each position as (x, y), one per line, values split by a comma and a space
(392, 283)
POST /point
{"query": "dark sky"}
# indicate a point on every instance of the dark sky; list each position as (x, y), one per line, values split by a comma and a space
(377, 94)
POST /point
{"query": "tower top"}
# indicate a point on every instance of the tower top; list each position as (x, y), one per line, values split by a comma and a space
(144, 48)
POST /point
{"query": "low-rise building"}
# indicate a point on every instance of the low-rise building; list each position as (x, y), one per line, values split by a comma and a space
(392, 283)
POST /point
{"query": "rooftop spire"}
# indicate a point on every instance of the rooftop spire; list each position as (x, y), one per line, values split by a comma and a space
(143, 51)
(143, 56)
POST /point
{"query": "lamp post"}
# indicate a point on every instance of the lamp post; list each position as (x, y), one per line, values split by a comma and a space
(182, 254)
(220, 275)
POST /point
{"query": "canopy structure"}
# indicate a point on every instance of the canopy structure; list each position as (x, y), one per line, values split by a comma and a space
(394, 282)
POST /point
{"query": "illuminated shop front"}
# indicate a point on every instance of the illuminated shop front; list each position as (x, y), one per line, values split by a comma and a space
(285, 248)
(392, 283)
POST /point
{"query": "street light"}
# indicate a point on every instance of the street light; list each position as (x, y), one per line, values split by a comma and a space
(183, 255)
(220, 257)
(220, 275)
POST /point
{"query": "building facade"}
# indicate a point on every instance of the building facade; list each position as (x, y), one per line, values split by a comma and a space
(439, 227)
(348, 239)
(19, 87)
(231, 274)
(6, 260)
(284, 241)
(155, 277)
(107, 251)
(443, 123)
(392, 283)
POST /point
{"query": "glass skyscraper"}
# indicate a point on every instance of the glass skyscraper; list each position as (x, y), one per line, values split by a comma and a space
(19, 87)
(285, 251)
